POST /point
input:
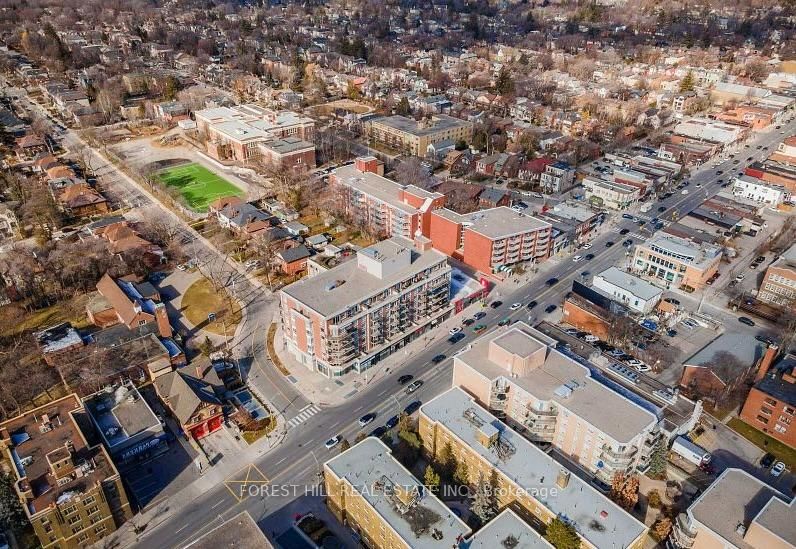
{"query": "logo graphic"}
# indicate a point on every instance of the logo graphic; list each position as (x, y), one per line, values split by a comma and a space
(246, 482)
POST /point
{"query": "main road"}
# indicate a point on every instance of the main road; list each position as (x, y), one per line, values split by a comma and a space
(296, 462)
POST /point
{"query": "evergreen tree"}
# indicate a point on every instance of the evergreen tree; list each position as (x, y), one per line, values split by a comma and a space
(403, 107)
(562, 535)
(483, 502)
(462, 474)
(504, 83)
(447, 462)
(687, 83)
(431, 479)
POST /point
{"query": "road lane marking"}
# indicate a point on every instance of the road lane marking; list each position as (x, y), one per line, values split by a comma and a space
(181, 529)
(217, 504)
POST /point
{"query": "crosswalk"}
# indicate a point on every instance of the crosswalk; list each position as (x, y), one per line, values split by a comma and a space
(638, 236)
(303, 415)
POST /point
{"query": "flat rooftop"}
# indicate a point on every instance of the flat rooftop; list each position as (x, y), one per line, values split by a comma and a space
(699, 255)
(397, 496)
(596, 518)
(288, 145)
(240, 532)
(345, 285)
(742, 345)
(439, 122)
(375, 186)
(120, 413)
(611, 185)
(607, 410)
(495, 223)
(632, 284)
(501, 530)
(736, 498)
(46, 432)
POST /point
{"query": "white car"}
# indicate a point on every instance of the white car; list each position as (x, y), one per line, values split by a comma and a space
(571, 331)
(699, 185)
(587, 246)
(641, 367)
(577, 258)
(740, 277)
(778, 469)
(684, 191)
(517, 209)
(455, 330)
(515, 306)
(332, 442)
(588, 338)
(252, 263)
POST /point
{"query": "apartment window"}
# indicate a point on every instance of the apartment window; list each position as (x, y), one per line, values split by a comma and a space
(89, 500)
(73, 519)
(762, 419)
(788, 410)
(780, 428)
(785, 419)
(93, 509)
(99, 530)
(766, 410)
(770, 401)
(70, 510)
(82, 537)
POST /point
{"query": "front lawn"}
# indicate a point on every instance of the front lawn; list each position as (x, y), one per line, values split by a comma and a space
(201, 299)
(764, 442)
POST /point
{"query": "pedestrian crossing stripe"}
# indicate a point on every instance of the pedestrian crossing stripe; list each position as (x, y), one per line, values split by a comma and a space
(304, 415)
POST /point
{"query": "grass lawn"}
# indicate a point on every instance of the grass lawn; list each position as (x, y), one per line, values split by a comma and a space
(15, 320)
(200, 299)
(198, 185)
(765, 442)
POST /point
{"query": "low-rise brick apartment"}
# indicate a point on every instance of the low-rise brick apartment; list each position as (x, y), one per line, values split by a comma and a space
(351, 316)
(383, 206)
(413, 137)
(487, 240)
(779, 283)
(533, 484)
(771, 403)
(517, 373)
(673, 261)
(736, 511)
(71, 492)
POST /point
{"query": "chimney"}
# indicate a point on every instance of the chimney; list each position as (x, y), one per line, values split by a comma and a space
(164, 327)
(766, 362)
(562, 479)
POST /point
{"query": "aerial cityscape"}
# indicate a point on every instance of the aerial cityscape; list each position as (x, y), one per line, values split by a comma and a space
(442, 274)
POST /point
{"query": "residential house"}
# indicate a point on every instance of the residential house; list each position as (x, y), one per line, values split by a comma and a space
(293, 261)
(193, 401)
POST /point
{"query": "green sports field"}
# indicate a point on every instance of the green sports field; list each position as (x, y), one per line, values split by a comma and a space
(198, 185)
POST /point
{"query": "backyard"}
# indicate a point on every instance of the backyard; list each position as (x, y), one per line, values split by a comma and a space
(197, 185)
(201, 300)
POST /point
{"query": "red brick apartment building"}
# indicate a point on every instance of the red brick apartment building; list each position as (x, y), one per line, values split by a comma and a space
(771, 404)
(490, 239)
(384, 206)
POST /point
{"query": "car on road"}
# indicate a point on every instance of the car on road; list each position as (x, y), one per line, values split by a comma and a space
(378, 432)
(623, 232)
(406, 378)
(746, 320)
(496, 304)
(550, 308)
(638, 365)
(698, 185)
(760, 259)
(455, 330)
(587, 246)
(412, 407)
(627, 216)
(366, 419)
(479, 315)
(478, 328)
(439, 358)
(468, 321)
(504, 322)
(662, 209)
(515, 306)
(588, 257)
(609, 244)
(740, 277)
(456, 338)
(551, 281)
(719, 172)
(778, 469)
(182, 267)
(767, 460)
(627, 243)
(531, 304)
(414, 386)
(577, 258)
(615, 352)
(391, 423)
(332, 442)
(684, 191)
(252, 264)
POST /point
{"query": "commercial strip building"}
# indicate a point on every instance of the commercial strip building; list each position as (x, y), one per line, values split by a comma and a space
(608, 194)
(670, 260)
(413, 137)
(350, 316)
(281, 139)
(779, 283)
(535, 486)
(489, 240)
(711, 131)
(760, 191)
(771, 403)
(517, 373)
(71, 492)
(636, 294)
(390, 508)
(382, 205)
(737, 511)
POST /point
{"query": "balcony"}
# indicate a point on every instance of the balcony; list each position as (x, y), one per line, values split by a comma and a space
(683, 534)
(617, 460)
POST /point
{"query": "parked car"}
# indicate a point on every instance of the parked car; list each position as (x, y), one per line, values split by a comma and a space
(551, 281)
(588, 338)
(577, 258)
(531, 304)
(571, 331)
(412, 407)
(455, 330)
(392, 422)
(624, 231)
(414, 386)
(496, 304)
(778, 469)
(456, 338)
(504, 322)
(609, 244)
(406, 378)
(478, 328)
(587, 246)
(740, 277)
(550, 308)
(378, 432)
(479, 315)
(252, 264)
(334, 441)
(746, 320)
(671, 333)
(627, 243)
(468, 322)
(439, 358)
(367, 418)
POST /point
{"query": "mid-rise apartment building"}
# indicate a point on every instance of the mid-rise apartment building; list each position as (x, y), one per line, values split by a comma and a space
(489, 240)
(771, 403)
(71, 492)
(608, 194)
(533, 484)
(413, 137)
(382, 205)
(671, 260)
(517, 373)
(557, 177)
(282, 139)
(779, 283)
(350, 316)
(737, 511)
(390, 508)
